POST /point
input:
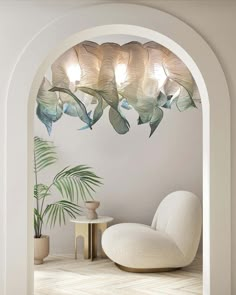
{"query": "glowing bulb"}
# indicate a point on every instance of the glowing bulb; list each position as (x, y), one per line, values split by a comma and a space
(159, 74)
(74, 73)
(120, 73)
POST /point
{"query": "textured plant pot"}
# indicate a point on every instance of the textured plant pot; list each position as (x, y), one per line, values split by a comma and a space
(91, 209)
(41, 249)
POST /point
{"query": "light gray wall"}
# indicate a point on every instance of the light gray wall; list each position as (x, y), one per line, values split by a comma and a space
(214, 20)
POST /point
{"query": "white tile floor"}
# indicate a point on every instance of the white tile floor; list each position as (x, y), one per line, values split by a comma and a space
(63, 275)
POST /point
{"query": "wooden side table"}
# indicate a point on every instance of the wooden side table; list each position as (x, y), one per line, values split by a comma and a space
(88, 229)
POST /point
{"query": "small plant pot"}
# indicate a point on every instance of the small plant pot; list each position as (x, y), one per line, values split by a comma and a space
(91, 209)
(41, 249)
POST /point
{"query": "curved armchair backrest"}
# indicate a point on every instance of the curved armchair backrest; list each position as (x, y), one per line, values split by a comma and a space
(179, 215)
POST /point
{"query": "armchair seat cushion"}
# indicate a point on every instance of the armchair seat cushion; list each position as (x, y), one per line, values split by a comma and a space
(140, 246)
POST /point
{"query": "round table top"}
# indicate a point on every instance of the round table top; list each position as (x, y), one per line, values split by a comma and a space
(100, 219)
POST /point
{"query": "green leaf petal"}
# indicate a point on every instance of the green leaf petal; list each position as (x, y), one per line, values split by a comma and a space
(161, 99)
(102, 104)
(49, 107)
(119, 123)
(156, 119)
(82, 112)
(184, 100)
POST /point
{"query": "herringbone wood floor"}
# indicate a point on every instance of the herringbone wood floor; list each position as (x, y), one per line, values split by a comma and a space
(63, 275)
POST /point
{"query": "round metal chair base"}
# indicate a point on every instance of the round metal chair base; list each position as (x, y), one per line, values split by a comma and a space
(146, 270)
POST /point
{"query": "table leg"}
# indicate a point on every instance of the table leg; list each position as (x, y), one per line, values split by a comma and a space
(102, 227)
(94, 240)
(75, 246)
(83, 231)
(91, 241)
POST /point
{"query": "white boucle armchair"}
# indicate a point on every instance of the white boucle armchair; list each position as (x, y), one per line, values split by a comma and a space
(170, 242)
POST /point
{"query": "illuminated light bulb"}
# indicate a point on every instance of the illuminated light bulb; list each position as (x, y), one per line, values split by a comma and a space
(120, 73)
(74, 73)
(160, 74)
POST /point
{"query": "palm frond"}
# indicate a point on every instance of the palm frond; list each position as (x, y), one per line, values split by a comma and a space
(41, 191)
(58, 211)
(76, 182)
(44, 154)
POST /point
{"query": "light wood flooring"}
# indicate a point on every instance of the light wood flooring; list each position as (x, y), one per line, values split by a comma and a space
(63, 275)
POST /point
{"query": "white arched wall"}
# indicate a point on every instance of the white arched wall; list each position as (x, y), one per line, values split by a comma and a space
(28, 72)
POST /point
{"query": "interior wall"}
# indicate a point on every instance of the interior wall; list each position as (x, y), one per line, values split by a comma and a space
(215, 21)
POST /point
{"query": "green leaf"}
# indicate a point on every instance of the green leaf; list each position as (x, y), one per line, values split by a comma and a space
(75, 182)
(58, 211)
(44, 154)
(41, 191)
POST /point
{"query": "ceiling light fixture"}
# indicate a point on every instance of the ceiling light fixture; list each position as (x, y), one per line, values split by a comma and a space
(147, 78)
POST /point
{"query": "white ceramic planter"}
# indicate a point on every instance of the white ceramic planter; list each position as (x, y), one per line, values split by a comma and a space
(41, 249)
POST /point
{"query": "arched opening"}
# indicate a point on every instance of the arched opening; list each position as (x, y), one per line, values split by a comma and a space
(216, 158)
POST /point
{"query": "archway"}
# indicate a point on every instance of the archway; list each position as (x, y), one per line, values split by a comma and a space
(194, 51)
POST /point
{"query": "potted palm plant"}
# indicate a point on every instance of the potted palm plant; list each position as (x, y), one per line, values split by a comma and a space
(72, 184)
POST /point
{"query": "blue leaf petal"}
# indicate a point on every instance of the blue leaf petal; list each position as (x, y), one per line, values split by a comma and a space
(125, 104)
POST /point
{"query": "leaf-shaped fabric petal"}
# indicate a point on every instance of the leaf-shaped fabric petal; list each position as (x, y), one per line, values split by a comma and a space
(156, 119)
(101, 105)
(40, 111)
(89, 57)
(61, 68)
(125, 105)
(196, 94)
(82, 112)
(106, 80)
(132, 90)
(145, 113)
(49, 107)
(70, 106)
(172, 91)
(177, 72)
(140, 89)
(119, 123)
(184, 100)
(170, 100)
(154, 70)
(161, 99)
